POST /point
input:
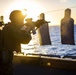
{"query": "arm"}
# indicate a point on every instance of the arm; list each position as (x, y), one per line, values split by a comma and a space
(18, 35)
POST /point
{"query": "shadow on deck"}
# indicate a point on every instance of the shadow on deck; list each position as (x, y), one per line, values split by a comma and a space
(28, 65)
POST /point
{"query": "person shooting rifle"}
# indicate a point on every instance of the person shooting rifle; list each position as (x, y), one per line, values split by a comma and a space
(13, 34)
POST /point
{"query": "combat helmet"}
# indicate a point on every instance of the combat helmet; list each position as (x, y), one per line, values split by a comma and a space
(16, 15)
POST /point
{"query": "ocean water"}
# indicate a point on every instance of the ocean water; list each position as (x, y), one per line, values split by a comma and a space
(55, 49)
(55, 34)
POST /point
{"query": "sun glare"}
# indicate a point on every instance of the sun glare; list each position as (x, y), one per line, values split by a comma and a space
(30, 9)
(33, 9)
(53, 21)
(24, 12)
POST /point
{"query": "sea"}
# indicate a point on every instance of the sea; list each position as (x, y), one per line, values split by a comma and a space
(56, 49)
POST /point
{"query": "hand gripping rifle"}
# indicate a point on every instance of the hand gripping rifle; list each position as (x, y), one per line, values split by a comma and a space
(33, 26)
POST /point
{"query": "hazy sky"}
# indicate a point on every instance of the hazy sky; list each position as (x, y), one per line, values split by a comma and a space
(35, 7)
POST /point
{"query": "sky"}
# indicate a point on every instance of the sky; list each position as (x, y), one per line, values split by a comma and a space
(53, 9)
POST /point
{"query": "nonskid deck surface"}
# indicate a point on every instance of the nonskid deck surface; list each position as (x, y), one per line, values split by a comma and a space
(46, 60)
(43, 65)
(22, 69)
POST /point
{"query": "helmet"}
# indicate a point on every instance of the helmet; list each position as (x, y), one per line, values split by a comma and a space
(16, 15)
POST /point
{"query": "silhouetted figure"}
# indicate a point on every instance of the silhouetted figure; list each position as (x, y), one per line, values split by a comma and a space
(1, 20)
(67, 28)
(44, 37)
(13, 34)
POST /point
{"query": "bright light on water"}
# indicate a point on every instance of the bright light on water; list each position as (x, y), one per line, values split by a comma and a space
(31, 47)
(55, 49)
